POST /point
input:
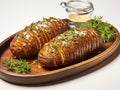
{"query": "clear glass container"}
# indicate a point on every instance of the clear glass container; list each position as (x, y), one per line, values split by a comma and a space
(78, 10)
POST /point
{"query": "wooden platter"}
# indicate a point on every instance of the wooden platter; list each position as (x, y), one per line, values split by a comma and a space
(39, 75)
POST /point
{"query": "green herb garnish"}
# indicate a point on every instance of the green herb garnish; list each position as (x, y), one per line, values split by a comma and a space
(33, 26)
(39, 29)
(104, 29)
(63, 37)
(52, 18)
(75, 42)
(72, 32)
(54, 45)
(46, 19)
(39, 21)
(49, 19)
(22, 35)
(17, 65)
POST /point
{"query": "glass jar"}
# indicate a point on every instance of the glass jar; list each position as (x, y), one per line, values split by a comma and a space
(78, 10)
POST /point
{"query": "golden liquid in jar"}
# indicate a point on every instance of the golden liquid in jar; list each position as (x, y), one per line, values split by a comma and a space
(79, 18)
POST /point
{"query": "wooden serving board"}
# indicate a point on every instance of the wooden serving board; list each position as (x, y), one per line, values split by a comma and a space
(38, 74)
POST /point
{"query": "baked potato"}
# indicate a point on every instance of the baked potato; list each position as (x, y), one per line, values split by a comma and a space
(69, 48)
(30, 40)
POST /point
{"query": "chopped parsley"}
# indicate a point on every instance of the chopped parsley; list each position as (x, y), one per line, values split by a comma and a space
(33, 26)
(49, 19)
(46, 19)
(39, 21)
(22, 35)
(104, 29)
(63, 37)
(54, 45)
(75, 42)
(18, 65)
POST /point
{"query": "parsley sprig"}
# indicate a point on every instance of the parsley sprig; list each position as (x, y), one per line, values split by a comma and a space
(18, 65)
(104, 29)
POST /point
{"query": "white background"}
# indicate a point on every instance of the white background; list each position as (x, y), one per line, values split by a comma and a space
(16, 14)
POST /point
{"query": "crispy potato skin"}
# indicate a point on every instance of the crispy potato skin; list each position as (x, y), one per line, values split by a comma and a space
(59, 52)
(30, 40)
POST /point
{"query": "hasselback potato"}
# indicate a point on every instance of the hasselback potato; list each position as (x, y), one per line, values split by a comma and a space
(30, 40)
(69, 48)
